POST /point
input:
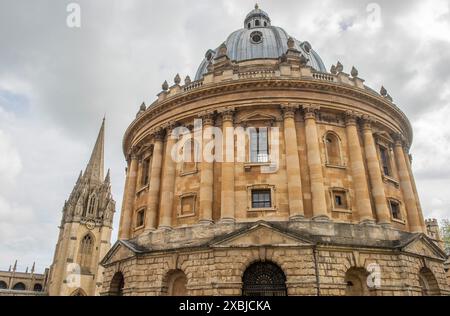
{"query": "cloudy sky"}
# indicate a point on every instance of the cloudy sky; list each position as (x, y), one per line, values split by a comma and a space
(57, 83)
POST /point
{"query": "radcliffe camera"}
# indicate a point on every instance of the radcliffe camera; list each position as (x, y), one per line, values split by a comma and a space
(224, 154)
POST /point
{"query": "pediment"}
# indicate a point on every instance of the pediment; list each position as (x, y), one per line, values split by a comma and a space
(257, 117)
(260, 234)
(120, 251)
(423, 246)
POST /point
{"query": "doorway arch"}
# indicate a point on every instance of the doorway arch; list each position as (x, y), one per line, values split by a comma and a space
(264, 279)
(356, 282)
(117, 284)
(428, 283)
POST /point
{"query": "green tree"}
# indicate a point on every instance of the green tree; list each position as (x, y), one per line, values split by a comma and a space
(445, 234)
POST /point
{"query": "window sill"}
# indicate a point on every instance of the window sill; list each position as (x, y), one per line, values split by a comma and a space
(344, 211)
(188, 173)
(271, 209)
(342, 167)
(388, 179)
(185, 215)
(249, 165)
(398, 221)
(142, 189)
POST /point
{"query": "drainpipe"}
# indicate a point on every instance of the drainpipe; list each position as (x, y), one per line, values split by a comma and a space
(316, 266)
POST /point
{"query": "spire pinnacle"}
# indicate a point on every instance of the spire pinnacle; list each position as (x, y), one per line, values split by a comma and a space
(94, 169)
(108, 176)
(256, 6)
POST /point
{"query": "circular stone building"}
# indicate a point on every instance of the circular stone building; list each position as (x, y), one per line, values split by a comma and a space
(309, 192)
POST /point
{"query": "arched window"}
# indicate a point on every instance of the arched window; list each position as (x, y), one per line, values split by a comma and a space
(92, 204)
(37, 287)
(78, 292)
(86, 248)
(333, 149)
(257, 23)
(19, 287)
(356, 281)
(428, 283)
(264, 279)
(117, 285)
(176, 282)
(3, 285)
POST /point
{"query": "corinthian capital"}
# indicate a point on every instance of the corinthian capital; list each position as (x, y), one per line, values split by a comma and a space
(400, 140)
(310, 110)
(288, 110)
(227, 115)
(367, 122)
(351, 117)
(158, 134)
(207, 118)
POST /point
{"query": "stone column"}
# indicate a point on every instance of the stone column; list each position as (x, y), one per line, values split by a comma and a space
(206, 174)
(414, 187)
(405, 183)
(128, 200)
(315, 164)
(168, 184)
(295, 193)
(358, 170)
(375, 176)
(227, 199)
(155, 182)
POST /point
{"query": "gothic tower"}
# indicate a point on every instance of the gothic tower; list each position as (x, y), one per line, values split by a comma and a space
(85, 230)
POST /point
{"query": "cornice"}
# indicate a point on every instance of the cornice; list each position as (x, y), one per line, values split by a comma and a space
(222, 88)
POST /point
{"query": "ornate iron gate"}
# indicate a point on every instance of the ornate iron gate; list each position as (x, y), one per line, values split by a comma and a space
(264, 279)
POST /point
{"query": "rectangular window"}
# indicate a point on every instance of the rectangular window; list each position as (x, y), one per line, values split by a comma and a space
(190, 157)
(140, 218)
(261, 199)
(259, 145)
(187, 205)
(385, 161)
(145, 172)
(340, 200)
(395, 210)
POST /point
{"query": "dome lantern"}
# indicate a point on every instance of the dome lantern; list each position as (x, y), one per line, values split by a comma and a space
(257, 18)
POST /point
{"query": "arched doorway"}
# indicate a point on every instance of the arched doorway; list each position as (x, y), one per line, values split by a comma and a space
(264, 279)
(356, 282)
(117, 285)
(37, 287)
(176, 283)
(19, 287)
(78, 292)
(428, 283)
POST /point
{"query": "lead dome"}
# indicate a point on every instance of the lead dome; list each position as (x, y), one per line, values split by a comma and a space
(260, 40)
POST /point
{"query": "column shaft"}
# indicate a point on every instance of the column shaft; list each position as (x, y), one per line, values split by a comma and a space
(408, 193)
(227, 199)
(315, 165)
(375, 176)
(414, 187)
(206, 175)
(154, 184)
(168, 185)
(363, 205)
(293, 165)
(128, 200)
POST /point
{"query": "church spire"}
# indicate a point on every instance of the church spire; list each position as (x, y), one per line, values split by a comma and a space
(94, 169)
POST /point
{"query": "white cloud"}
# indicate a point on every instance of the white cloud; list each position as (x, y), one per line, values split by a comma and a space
(10, 162)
